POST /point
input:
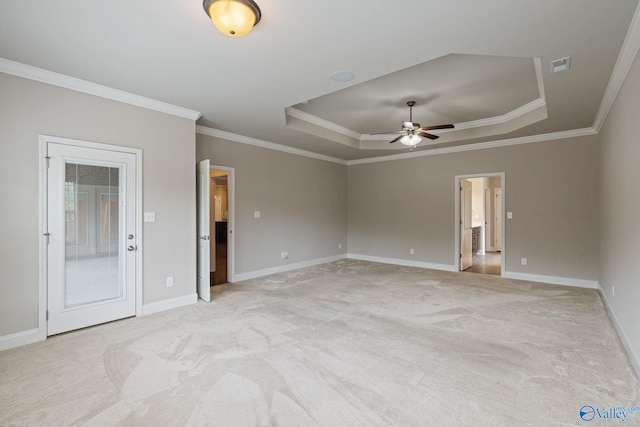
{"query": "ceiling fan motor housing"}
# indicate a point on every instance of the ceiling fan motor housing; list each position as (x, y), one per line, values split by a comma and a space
(410, 126)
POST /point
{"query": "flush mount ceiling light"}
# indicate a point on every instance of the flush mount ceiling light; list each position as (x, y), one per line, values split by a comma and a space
(234, 18)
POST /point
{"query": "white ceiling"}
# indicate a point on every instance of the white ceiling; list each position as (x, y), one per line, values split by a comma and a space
(483, 65)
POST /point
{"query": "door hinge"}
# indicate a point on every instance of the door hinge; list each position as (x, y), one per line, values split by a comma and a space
(47, 159)
(47, 236)
(47, 315)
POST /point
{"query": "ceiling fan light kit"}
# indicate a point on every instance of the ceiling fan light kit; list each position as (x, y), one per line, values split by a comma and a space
(234, 18)
(410, 140)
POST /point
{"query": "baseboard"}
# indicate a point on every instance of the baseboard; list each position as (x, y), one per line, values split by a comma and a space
(633, 358)
(565, 281)
(403, 262)
(19, 339)
(168, 304)
(31, 336)
(287, 267)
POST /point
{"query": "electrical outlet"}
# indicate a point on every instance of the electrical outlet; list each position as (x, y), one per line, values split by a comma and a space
(339, 245)
(284, 255)
(169, 281)
(411, 251)
(523, 261)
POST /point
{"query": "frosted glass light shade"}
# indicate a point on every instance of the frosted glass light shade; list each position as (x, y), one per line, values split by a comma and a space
(410, 140)
(234, 18)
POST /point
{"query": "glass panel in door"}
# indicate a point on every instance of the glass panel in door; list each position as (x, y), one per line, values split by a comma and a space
(93, 223)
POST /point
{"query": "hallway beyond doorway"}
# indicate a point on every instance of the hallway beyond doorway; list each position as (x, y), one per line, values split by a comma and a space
(489, 263)
(219, 276)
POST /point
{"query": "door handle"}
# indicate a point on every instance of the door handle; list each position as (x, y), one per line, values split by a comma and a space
(131, 248)
(205, 237)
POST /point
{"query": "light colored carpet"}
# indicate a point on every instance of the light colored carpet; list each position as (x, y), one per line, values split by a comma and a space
(348, 343)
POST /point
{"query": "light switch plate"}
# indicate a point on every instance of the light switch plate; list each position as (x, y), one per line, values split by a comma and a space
(256, 214)
(149, 217)
(509, 215)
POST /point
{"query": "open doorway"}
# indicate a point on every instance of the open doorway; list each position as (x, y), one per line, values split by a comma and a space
(215, 208)
(218, 224)
(479, 226)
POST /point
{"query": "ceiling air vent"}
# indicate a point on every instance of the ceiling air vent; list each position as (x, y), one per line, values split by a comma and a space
(561, 64)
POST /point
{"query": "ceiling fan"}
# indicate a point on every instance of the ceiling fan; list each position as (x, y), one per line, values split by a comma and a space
(412, 133)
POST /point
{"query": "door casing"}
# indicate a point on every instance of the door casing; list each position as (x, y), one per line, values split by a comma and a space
(231, 201)
(466, 252)
(498, 217)
(44, 140)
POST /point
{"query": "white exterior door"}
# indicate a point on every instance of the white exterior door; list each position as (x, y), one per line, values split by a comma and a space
(92, 236)
(466, 238)
(204, 236)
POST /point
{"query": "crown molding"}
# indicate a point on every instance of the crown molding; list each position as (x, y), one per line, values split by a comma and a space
(56, 79)
(315, 120)
(479, 146)
(537, 64)
(499, 120)
(625, 60)
(216, 133)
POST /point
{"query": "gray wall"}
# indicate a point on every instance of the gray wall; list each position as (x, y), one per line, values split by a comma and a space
(620, 208)
(302, 201)
(549, 186)
(28, 109)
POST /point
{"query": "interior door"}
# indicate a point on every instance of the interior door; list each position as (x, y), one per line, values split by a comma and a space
(204, 236)
(466, 253)
(497, 214)
(91, 230)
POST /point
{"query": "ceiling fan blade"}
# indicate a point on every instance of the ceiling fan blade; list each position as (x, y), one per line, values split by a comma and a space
(427, 135)
(437, 127)
(391, 142)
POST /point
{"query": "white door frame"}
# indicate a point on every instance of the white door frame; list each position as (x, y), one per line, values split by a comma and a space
(498, 197)
(43, 220)
(487, 224)
(466, 224)
(231, 242)
(456, 246)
